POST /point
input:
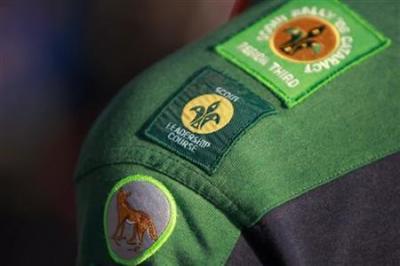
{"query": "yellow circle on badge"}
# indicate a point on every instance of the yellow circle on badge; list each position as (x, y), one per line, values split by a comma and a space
(207, 113)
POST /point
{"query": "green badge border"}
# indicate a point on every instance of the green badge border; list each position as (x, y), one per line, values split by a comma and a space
(291, 102)
(162, 238)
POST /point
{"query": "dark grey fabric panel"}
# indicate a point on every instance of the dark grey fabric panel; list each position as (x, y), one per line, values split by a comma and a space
(354, 220)
(243, 254)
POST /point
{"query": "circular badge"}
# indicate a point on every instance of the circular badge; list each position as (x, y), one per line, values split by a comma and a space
(207, 113)
(139, 216)
(305, 39)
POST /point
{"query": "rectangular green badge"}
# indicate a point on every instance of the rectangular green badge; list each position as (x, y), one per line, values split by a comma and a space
(206, 117)
(301, 46)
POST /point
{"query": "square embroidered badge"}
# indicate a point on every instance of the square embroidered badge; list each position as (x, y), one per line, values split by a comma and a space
(302, 45)
(206, 117)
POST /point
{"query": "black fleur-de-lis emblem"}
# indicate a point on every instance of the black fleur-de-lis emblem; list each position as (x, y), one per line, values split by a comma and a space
(203, 115)
(301, 40)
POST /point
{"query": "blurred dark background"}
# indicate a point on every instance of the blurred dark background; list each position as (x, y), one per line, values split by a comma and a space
(61, 61)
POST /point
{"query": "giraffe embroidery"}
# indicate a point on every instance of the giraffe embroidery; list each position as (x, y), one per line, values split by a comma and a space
(141, 221)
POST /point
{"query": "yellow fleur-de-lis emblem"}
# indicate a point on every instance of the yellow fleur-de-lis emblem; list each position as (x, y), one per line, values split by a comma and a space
(203, 115)
(207, 113)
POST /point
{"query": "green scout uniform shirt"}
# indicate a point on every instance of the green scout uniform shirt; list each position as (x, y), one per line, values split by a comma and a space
(283, 178)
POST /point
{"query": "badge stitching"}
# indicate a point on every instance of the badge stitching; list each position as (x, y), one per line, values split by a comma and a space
(290, 101)
(267, 109)
(160, 239)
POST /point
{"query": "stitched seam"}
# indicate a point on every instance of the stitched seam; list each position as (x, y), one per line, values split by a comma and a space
(338, 174)
(81, 175)
(145, 163)
(133, 161)
(227, 256)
